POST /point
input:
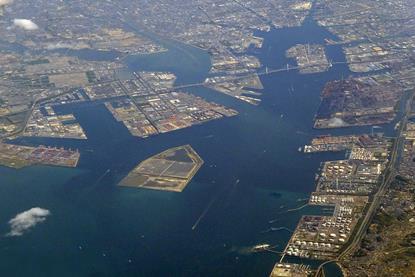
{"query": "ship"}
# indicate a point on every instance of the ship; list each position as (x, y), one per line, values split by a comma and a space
(261, 247)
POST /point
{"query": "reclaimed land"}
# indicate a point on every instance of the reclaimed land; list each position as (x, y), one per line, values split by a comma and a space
(170, 170)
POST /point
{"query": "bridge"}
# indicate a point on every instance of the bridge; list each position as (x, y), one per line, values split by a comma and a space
(262, 73)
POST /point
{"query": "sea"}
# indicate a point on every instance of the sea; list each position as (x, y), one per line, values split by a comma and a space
(252, 176)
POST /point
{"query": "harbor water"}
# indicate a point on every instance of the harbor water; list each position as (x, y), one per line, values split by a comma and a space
(253, 173)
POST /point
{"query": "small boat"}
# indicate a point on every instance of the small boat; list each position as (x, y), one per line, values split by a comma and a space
(300, 149)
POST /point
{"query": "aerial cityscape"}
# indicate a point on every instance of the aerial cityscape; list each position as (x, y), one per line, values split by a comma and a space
(207, 138)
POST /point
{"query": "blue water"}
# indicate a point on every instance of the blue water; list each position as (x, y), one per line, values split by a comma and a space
(99, 229)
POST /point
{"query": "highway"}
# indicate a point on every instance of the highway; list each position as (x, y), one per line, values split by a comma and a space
(22, 127)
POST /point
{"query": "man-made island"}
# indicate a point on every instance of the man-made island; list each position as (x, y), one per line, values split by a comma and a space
(310, 58)
(170, 170)
(17, 156)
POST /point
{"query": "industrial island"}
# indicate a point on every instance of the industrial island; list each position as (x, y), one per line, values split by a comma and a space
(16, 156)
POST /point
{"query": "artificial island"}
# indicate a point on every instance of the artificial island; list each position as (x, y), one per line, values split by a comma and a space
(170, 170)
(17, 156)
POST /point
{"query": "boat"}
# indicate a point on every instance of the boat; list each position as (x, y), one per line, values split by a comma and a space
(300, 149)
(261, 247)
